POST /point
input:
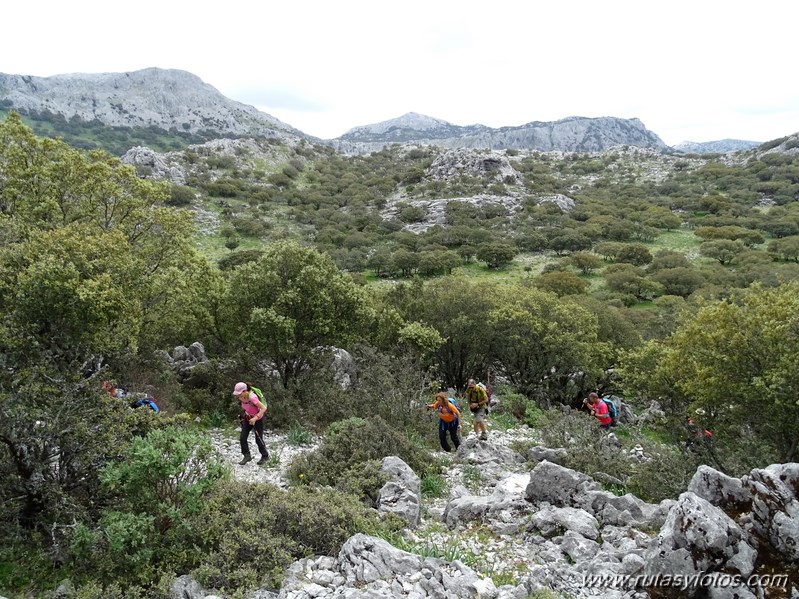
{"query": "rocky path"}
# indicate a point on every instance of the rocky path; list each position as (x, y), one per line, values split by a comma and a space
(505, 521)
(282, 450)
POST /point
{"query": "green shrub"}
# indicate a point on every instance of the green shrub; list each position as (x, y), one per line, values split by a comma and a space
(524, 409)
(363, 480)
(588, 449)
(181, 195)
(664, 476)
(235, 259)
(168, 471)
(251, 533)
(153, 496)
(347, 447)
(297, 435)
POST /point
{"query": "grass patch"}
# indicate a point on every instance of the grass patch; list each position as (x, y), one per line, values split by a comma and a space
(504, 421)
(433, 485)
(681, 240)
(472, 477)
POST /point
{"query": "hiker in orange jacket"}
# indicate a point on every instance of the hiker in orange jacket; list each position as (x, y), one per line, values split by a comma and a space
(449, 420)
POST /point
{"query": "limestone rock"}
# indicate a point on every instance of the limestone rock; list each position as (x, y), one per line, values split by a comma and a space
(775, 506)
(551, 520)
(401, 494)
(698, 537)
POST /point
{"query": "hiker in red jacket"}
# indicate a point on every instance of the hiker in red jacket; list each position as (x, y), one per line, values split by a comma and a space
(599, 410)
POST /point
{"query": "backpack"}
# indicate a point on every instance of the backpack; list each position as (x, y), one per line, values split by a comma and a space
(613, 410)
(146, 402)
(260, 395)
(484, 388)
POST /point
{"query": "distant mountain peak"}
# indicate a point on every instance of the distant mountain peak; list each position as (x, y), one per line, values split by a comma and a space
(412, 121)
(162, 98)
(571, 134)
(722, 146)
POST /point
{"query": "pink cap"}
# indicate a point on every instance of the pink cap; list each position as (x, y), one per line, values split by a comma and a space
(240, 388)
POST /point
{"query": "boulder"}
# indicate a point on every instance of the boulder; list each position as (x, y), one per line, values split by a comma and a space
(552, 521)
(539, 454)
(380, 570)
(495, 462)
(505, 503)
(401, 494)
(183, 361)
(141, 156)
(775, 506)
(185, 587)
(560, 486)
(720, 490)
(577, 547)
(698, 537)
(563, 487)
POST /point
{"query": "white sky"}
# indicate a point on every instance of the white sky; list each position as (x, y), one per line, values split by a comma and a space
(698, 70)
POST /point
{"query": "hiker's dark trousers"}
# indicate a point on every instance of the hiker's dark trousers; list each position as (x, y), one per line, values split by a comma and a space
(452, 429)
(246, 427)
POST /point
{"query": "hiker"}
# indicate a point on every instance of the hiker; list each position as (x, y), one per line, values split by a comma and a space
(252, 418)
(599, 410)
(449, 420)
(110, 388)
(477, 398)
(697, 436)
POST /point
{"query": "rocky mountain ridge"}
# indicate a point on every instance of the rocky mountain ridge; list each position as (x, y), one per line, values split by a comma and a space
(170, 99)
(572, 134)
(163, 98)
(722, 146)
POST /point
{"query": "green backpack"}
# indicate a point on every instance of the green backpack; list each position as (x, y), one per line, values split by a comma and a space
(260, 395)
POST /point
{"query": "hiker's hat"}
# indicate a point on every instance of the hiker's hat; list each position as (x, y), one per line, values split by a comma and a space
(239, 388)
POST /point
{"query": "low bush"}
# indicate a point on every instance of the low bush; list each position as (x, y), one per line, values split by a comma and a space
(251, 533)
(524, 409)
(242, 538)
(346, 449)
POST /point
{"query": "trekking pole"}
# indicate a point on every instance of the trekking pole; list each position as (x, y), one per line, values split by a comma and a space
(258, 436)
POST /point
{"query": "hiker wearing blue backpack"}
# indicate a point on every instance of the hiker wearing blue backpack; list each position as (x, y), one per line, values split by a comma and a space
(599, 410)
(449, 420)
(252, 418)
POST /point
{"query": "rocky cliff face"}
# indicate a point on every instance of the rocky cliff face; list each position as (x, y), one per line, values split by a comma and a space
(722, 146)
(165, 99)
(573, 134)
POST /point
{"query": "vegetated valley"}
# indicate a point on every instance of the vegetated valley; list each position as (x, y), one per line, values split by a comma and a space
(667, 280)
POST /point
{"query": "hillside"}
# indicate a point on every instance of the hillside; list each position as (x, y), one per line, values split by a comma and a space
(351, 289)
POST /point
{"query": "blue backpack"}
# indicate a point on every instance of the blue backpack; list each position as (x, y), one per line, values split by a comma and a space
(146, 402)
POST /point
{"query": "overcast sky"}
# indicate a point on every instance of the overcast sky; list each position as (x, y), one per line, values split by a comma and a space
(698, 70)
